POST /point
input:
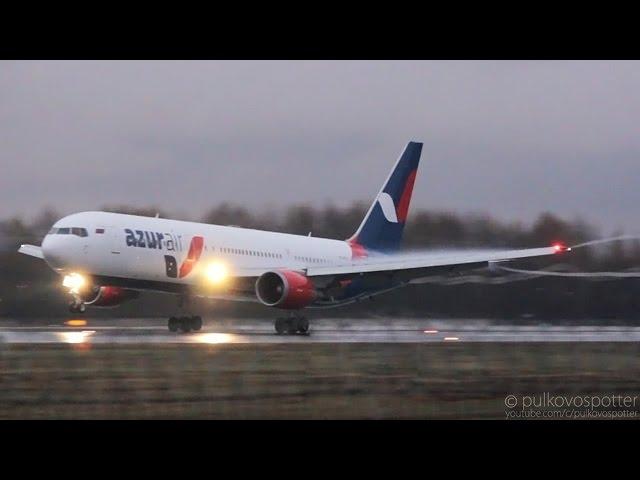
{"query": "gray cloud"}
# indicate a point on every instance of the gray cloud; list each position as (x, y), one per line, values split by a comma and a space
(512, 138)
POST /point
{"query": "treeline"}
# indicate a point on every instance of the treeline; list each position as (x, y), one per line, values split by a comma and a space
(29, 288)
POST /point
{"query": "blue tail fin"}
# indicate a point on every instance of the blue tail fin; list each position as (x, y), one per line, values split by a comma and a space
(382, 227)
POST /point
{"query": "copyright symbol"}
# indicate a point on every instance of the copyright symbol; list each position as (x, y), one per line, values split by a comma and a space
(511, 401)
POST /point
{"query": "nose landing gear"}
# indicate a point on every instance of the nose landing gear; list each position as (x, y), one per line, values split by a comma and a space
(77, 306)
(185, 324)
(292, 325)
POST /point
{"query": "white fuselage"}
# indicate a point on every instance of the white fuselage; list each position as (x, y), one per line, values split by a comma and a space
(135, 247)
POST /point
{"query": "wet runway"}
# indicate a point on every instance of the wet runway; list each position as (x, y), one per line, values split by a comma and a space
(154, 331)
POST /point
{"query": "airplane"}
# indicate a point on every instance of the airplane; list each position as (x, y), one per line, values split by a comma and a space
(108, 258)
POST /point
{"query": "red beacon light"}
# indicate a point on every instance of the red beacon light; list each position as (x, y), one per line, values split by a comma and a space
(559, 247)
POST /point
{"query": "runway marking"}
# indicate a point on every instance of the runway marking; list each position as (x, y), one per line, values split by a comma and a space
(125, 336)
(259, 331)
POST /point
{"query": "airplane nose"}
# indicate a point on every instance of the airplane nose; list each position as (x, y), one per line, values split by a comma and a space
(56, 251)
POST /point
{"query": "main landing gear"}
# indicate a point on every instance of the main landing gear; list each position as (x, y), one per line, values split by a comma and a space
(185, 324)
(292, 325)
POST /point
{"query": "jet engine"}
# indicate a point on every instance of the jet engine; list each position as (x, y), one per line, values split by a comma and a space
(285, 289)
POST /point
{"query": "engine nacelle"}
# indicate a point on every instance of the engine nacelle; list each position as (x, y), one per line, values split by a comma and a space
(108, 296)
(285, 289)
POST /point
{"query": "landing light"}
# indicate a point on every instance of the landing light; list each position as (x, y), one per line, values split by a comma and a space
(74, 282)
(216, 273)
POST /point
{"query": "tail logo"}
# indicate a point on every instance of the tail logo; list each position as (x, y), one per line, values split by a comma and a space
(405, 199)
(388, 208)
(397, 214)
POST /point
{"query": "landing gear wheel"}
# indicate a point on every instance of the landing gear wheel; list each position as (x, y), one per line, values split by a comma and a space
(280, 326)
(185, 324)
(173, 324)
(75, 307)
(292, 326)
(303, 325)
(196, 323)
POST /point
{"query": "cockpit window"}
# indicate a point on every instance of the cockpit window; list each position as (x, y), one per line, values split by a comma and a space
(77, 231)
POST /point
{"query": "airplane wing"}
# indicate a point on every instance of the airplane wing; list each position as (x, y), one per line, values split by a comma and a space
(31, 250)
(411, 267)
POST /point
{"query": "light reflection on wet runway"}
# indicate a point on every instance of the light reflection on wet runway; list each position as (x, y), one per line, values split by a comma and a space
(153, 331)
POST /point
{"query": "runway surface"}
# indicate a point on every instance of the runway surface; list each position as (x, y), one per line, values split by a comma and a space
(154, 331)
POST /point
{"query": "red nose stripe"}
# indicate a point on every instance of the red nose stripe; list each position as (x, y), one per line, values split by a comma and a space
(403, 204)
(195, 250)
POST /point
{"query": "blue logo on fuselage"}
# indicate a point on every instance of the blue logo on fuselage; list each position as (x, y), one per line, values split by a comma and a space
(157, 240)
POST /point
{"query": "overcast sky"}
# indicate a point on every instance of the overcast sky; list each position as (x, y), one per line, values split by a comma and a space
(510, 138)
